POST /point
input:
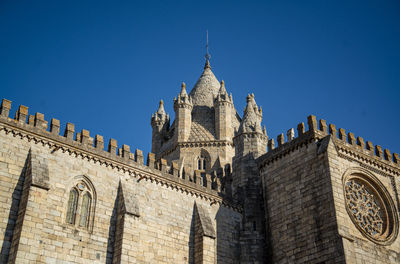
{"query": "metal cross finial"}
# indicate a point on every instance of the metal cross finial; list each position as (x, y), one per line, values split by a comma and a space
(208, 56)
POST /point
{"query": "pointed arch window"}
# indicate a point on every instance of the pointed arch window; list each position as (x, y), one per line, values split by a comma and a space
(203, 160)
(81, 203)
(202, 163)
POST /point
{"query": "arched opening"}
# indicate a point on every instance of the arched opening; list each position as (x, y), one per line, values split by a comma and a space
(81, 203)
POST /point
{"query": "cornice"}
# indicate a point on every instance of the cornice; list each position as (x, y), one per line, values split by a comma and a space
(195, 144)
(352, 152)
(208, 143)
(86, 152)
(280, 152)
(366, 158)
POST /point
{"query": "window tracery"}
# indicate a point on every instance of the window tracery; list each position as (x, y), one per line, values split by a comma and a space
(370, 208)
(80, 207)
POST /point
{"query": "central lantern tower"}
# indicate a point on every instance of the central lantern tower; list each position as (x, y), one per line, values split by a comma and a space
(201, 136)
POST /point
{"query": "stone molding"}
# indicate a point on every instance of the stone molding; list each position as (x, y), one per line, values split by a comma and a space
(191, 144)
(125, 164)
(371, 162)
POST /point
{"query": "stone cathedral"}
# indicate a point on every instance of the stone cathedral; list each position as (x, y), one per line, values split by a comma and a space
(214, 189)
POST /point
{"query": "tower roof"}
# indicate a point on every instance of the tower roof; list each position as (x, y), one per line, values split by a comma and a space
(206, 88)
(161, 110)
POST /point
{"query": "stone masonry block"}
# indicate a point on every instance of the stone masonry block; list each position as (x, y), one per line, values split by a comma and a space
(5, 107)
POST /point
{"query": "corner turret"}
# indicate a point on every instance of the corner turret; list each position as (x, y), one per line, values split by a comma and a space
(223, 105)
(251, 138)
(160, 124)
(250, 143)
(252, 117)
(183, 115)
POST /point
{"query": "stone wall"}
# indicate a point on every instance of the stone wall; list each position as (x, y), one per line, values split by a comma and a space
(358, 248)
(330, 198)
(300, 213)
(140, 214)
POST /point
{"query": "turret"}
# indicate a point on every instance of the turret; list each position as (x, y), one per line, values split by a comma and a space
(223, 105)
(250, 143)
(160, 124)
(251, 137)
(183, 115)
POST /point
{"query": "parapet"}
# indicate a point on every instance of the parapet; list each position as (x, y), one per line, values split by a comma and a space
(81, 144)
(318, 129)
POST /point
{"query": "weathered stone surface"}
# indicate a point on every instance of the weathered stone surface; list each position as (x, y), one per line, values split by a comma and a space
(205, 221)
(211, 191)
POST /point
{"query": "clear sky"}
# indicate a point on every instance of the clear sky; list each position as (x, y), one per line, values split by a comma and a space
(104, 65)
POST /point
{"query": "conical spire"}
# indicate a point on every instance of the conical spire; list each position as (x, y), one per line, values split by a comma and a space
(223, 94)
(161, 110)
(222, 89)
(251, 121)
(206, 88)
(160, 117)
(183, 92)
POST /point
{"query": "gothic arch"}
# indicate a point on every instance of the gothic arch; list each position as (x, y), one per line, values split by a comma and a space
(203, 161)
(80, 204)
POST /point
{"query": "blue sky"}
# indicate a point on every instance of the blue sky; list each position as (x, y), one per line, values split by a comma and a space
(104, 65)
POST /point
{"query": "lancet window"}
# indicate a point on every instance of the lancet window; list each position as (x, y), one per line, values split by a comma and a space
(80, 207)
(202, 163)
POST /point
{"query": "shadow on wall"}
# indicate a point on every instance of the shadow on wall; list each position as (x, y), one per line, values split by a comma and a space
(12, 215)
(205, 116)
(227, 242)
(191, 238)
(112, 231)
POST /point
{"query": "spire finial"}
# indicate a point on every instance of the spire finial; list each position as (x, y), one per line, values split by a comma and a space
(183, 90)
(161, 110)
(208, 56)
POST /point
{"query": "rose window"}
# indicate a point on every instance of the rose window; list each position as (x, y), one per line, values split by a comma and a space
(370, 208)
(365, 208)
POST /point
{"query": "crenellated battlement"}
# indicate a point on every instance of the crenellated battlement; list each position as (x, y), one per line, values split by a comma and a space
(347, 143)
(81, 144)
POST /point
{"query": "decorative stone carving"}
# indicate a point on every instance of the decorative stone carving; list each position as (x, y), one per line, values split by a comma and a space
(370, 208)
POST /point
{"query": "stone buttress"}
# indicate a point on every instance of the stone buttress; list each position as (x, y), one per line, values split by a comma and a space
(250, 143)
